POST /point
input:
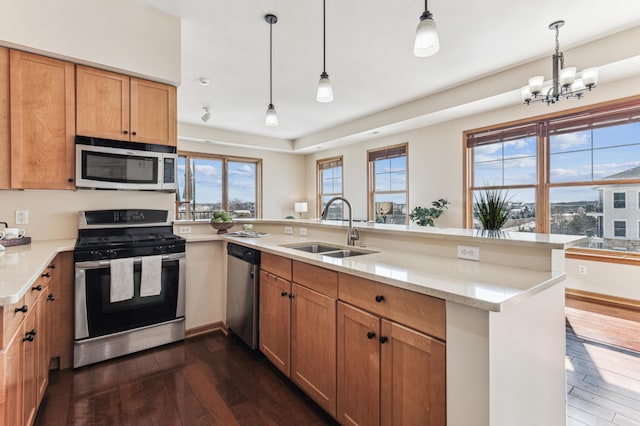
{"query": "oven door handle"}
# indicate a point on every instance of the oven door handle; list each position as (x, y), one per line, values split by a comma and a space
(105, 263)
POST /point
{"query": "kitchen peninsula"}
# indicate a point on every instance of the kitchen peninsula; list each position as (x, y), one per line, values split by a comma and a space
(504, 314)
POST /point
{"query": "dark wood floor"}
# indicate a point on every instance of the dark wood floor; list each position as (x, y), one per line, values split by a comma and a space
(207, 380)
(216, 380)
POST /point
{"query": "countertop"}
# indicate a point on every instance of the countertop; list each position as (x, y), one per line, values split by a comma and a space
(21, 266)
(480, 285)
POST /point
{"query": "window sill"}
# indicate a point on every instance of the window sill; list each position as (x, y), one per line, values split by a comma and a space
(610, 256)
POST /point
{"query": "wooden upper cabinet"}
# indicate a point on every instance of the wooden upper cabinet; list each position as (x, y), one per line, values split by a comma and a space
(153, 113)
(5, 130)
(42, 122)
(102, 100)
(116, 106)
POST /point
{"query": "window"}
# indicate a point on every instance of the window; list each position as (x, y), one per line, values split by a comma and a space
(563, 173)
(620, 228)
(619, 200)
(208, 183)
(388, 184)
(329, 179)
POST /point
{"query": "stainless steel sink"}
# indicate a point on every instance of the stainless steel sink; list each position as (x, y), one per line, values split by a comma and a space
(347, 253)
(328, 249)
(313, 247)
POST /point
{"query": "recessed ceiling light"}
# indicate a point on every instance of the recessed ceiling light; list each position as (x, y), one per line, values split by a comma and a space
(204, 81)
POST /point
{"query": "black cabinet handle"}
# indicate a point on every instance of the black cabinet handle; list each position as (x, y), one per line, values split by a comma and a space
(28, 338)
(134, 133)
(383, 339)
(46, 275)
(379, 298)
(51, 297)
(126, 132)
(291, 295)
(70, 180)
(371, 335)
(284, 294)
(24, 309)
(38, 288)
(52, 266)
(31, 333)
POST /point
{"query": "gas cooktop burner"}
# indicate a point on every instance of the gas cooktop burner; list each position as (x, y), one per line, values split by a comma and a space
(103, 235)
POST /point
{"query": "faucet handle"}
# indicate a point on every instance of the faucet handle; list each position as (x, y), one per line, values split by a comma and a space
(355, 235)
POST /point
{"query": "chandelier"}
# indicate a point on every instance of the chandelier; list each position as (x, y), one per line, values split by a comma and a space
(566, 83)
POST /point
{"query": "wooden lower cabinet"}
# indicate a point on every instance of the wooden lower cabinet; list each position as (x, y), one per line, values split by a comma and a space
(30, 366)
(12, 383)
(388, 374)
(313, 345)
(358, 366)
(275, 320)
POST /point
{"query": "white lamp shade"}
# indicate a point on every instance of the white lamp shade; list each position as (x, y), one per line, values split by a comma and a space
(300, 207)
(567, 76)
(578, 85)
(535, 84)
(325, 91)
(272, 117)
(590, 77)
(525, 93)
(427, 42)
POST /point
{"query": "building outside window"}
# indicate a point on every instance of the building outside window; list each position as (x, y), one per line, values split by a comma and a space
(329, 185)
(619, 200)
(207, 183)
(570, 173)
(388, 184)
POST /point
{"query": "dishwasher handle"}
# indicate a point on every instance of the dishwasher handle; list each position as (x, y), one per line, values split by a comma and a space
(246, 254)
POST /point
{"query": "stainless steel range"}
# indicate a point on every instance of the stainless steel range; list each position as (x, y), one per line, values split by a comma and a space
(129, 284)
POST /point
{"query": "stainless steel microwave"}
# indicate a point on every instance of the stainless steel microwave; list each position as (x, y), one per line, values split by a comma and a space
(110, 164)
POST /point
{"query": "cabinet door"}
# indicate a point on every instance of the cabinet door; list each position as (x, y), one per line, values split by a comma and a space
(42, 122)
(358, 366)
(12, 380)
(30, 367)
(153, 113)
(275, 320)
(43, 345)
(313, 345)
(413, 386)
(102, 104)
(5, 132)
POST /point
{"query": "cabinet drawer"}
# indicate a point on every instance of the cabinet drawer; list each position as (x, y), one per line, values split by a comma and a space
(277, 265)
(419, 311)
(11, 320)
(316, 278)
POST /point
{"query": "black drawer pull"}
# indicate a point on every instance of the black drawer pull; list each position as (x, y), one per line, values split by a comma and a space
(36, 288)
(284, 294)
(291, 295)
(46, 275)
(51, 297)
(371, 335)
(383, 339)
(24, 309)
(379, 298)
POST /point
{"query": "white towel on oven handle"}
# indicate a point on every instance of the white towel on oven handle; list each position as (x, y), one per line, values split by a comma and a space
(121, 271)
(151, 276)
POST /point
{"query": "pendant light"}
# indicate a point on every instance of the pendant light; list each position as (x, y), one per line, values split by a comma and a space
(427, 42)
(272, 116)
(325, 91)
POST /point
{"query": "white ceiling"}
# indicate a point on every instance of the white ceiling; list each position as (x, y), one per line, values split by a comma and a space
(369, 53)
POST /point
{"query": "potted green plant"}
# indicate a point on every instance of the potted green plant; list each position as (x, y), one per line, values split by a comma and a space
(491, 207)
(424, 216)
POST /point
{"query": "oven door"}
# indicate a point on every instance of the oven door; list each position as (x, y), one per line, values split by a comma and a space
(96, 316)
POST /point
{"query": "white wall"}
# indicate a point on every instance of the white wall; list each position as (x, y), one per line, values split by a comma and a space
(605, 278)
(283, 177)
(121, 35)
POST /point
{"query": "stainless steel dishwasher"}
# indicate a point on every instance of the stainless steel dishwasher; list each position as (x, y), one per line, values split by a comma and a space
(242, 292)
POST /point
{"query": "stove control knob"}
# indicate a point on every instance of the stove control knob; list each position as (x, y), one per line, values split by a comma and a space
(160, 249)
(111, 253)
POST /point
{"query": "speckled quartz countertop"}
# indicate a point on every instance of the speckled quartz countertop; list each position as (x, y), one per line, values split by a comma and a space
(21, 266)
(480, 285)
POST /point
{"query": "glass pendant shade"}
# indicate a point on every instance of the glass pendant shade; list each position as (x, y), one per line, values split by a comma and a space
(590, 77)
(535, 84)
(427, 42)
(567, 76)
(525, 93)
(325, 91)
(272, 116)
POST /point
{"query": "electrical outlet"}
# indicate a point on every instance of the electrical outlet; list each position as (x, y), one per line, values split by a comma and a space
(303, 232)
(22, 217)
(185, 230)
(582, 270)
(288, 230)
(469, 253)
